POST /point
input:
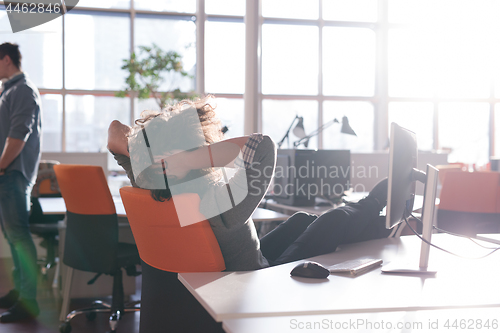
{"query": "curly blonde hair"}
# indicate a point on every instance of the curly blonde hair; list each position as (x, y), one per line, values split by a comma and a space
(170, 128)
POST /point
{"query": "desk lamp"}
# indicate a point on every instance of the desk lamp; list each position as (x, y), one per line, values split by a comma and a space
(346, 129)
(298, 130)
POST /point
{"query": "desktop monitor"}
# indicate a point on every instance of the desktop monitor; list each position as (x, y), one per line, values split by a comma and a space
(401, 185)
(402, 179)
(333, 172)
(301, 175)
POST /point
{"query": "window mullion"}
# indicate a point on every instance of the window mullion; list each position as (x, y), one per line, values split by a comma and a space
(321, 24)
(132, 47)
(200, 46)
(381, 119)
(63, 131)
(252, 69)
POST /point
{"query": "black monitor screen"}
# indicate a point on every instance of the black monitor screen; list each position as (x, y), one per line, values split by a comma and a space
(301, 175)
(282, 177)
(401, 185)
(333, 172)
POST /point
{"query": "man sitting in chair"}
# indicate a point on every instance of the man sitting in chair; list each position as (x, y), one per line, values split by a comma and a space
(180, 150)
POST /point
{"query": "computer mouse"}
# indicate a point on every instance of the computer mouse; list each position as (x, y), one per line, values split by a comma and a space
(310, 269)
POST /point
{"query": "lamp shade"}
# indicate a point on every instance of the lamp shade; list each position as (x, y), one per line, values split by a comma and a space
(346, 128)
(298, 130)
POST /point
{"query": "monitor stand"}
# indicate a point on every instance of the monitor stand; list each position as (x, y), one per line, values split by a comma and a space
(431, 181)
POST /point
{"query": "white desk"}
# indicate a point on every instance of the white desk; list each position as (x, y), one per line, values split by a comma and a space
(52, 206)
(449, 320)
(55, 206)
(273, 292)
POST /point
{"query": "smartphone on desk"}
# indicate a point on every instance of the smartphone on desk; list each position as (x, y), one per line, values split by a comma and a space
(355, 267)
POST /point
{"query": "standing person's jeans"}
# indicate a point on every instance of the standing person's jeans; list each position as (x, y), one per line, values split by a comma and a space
(15, 192)
(305, 235)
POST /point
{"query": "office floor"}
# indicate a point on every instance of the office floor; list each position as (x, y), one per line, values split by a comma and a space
(50, 302)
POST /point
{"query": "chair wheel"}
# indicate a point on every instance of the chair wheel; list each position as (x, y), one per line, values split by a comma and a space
(113, 321)
(90, 315)
(65, 327)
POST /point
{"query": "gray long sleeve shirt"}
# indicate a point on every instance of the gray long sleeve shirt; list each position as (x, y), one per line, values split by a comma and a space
(20, 118)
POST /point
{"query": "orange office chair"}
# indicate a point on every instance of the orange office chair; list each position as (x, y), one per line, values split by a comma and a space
(445, 169)
(91, 241)
(166, 249)
(470, 202)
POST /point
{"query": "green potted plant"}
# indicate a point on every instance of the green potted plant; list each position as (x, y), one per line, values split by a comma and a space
(146, 74)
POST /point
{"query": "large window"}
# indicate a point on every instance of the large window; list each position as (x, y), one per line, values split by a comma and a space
(289, 59)
(319, 62)
(224, 61)
(41, 49)
(430, 66)
(349, 61)
(76, 63)
(79, 74)
(225, 57)
(443, 74)
(88, 118)
(279, 114)
(170, 33)
(93, 55)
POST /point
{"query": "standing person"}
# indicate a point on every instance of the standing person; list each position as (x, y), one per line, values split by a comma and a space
(20, 130)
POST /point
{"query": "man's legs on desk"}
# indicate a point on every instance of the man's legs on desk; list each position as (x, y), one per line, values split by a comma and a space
(278, 240)
(352, 223)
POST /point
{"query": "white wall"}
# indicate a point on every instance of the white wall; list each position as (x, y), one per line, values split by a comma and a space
(100, 159)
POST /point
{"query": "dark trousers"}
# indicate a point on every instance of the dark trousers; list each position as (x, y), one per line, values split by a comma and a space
(305, 235)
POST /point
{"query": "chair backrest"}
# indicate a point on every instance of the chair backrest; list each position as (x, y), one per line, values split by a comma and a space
(91, 242)
(474, 192)
(45, 186)
(162, 242)
(470, 203)
(445, 169)
(46, 182)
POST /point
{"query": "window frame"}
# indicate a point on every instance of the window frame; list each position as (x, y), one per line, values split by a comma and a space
(253, 96)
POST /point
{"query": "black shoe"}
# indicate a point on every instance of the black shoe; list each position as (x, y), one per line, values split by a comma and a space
(379, 193)
(24, 309)
(10, 299)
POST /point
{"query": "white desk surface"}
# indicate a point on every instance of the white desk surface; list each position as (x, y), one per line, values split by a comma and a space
(448, 320)
(52, 206)
(55, 206)
(273, 292)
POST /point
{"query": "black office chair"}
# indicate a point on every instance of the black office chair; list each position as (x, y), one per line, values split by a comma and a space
(91, 239)
(45, 226)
